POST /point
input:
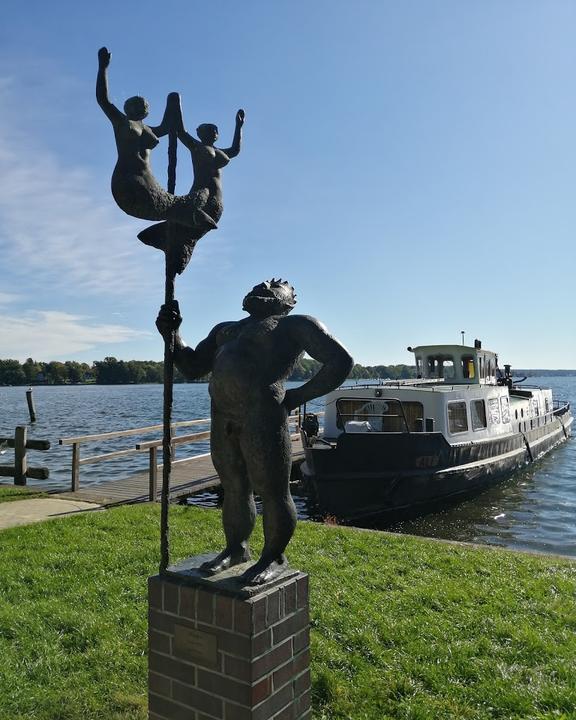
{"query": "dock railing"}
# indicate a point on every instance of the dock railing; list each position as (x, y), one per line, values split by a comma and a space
(20, 471)
(150, 446)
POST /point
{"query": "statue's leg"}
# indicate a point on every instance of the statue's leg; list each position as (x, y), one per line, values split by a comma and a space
(268, 454)
(239, 510)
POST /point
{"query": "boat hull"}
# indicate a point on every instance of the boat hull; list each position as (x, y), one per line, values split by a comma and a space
(389, 476)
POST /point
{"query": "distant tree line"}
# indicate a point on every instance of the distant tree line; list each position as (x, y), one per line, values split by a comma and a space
(109, 371)
(112, 371)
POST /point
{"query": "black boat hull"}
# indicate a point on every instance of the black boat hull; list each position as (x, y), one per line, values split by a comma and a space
(388, 476)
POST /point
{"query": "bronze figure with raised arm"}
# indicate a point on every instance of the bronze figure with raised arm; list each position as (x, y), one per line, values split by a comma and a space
(250, 360)
(134, 187)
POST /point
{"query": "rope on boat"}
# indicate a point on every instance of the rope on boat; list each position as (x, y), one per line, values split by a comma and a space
(528, 448)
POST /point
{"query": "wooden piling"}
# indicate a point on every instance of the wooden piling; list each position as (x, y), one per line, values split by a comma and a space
(20, 460)
(31, 408)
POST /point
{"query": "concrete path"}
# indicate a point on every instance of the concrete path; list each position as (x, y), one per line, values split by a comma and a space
(24, 512)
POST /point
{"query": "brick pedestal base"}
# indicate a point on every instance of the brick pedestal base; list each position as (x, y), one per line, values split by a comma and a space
(224, 652)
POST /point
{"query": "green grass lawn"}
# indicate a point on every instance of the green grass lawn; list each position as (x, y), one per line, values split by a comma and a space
(402, 627)
(8, 493)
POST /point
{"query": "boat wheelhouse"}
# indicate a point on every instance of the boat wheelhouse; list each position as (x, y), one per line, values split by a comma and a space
(405, 447)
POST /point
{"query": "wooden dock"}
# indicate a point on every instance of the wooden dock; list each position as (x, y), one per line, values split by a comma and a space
(189, 475)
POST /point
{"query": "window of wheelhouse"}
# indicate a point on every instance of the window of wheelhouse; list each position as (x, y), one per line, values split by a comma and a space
(418, 366)
(478, 414)
(440, 366)
(468, 367)
(457, 417)
(366, 415)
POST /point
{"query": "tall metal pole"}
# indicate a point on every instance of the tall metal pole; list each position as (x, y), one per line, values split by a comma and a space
(168, 373)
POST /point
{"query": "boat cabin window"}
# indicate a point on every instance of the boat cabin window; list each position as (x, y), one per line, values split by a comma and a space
(457, 417)
(364, 415)
(418, 367)
(535, 407)
(468, 368)
(478, 414)
(494, 411)
(505, 407)
(440, 366)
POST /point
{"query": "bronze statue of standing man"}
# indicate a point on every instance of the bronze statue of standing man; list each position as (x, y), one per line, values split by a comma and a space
(250, 439)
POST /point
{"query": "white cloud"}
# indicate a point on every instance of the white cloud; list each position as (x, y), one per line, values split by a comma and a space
(7, 298)
(55, 227)
(50, 335)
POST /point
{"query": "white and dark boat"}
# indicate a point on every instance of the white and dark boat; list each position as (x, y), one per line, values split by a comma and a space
(404, 448)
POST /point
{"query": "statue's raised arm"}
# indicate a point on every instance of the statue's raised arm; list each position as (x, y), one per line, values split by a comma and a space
(234, 149)
(136, 190)
(110, 110)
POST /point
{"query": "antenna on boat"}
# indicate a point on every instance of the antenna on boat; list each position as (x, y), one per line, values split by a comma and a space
(462, 333)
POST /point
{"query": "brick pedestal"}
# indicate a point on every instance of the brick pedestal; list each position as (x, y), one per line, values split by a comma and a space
(219, 651)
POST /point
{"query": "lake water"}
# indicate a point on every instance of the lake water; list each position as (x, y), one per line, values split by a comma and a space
(534, 510)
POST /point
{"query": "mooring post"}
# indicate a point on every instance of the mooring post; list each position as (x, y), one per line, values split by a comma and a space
(153, 474)
(75, 467)
(31, 408)
(20, 460)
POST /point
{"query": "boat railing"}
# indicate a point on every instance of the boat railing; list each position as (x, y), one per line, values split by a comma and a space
(560, 405)
(150, 446)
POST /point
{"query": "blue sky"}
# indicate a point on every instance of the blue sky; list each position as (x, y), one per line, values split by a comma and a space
(409, 166)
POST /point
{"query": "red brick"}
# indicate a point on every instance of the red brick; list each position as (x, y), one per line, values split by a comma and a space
(224, 687)
(290, 626)
(159, 684)
(171, 598)
(197, 700)
(261, 643)
(166, 709)
(237, 668)
(229, 642)
(286, 714)
(290, 598)
(259, 609)
(302, 591)
(205, 607)
(301, 640)
(172, 668)
(224, 612)
(188, 602)
(274, 599)
(273, 704)
(160, 621)
(243, 617)
(302, 683)
(302, 704)
(272, 660)
(237, 712)
(261, 691)
(283, 675)
(158, 642)
(155, 592)
(301, 661)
